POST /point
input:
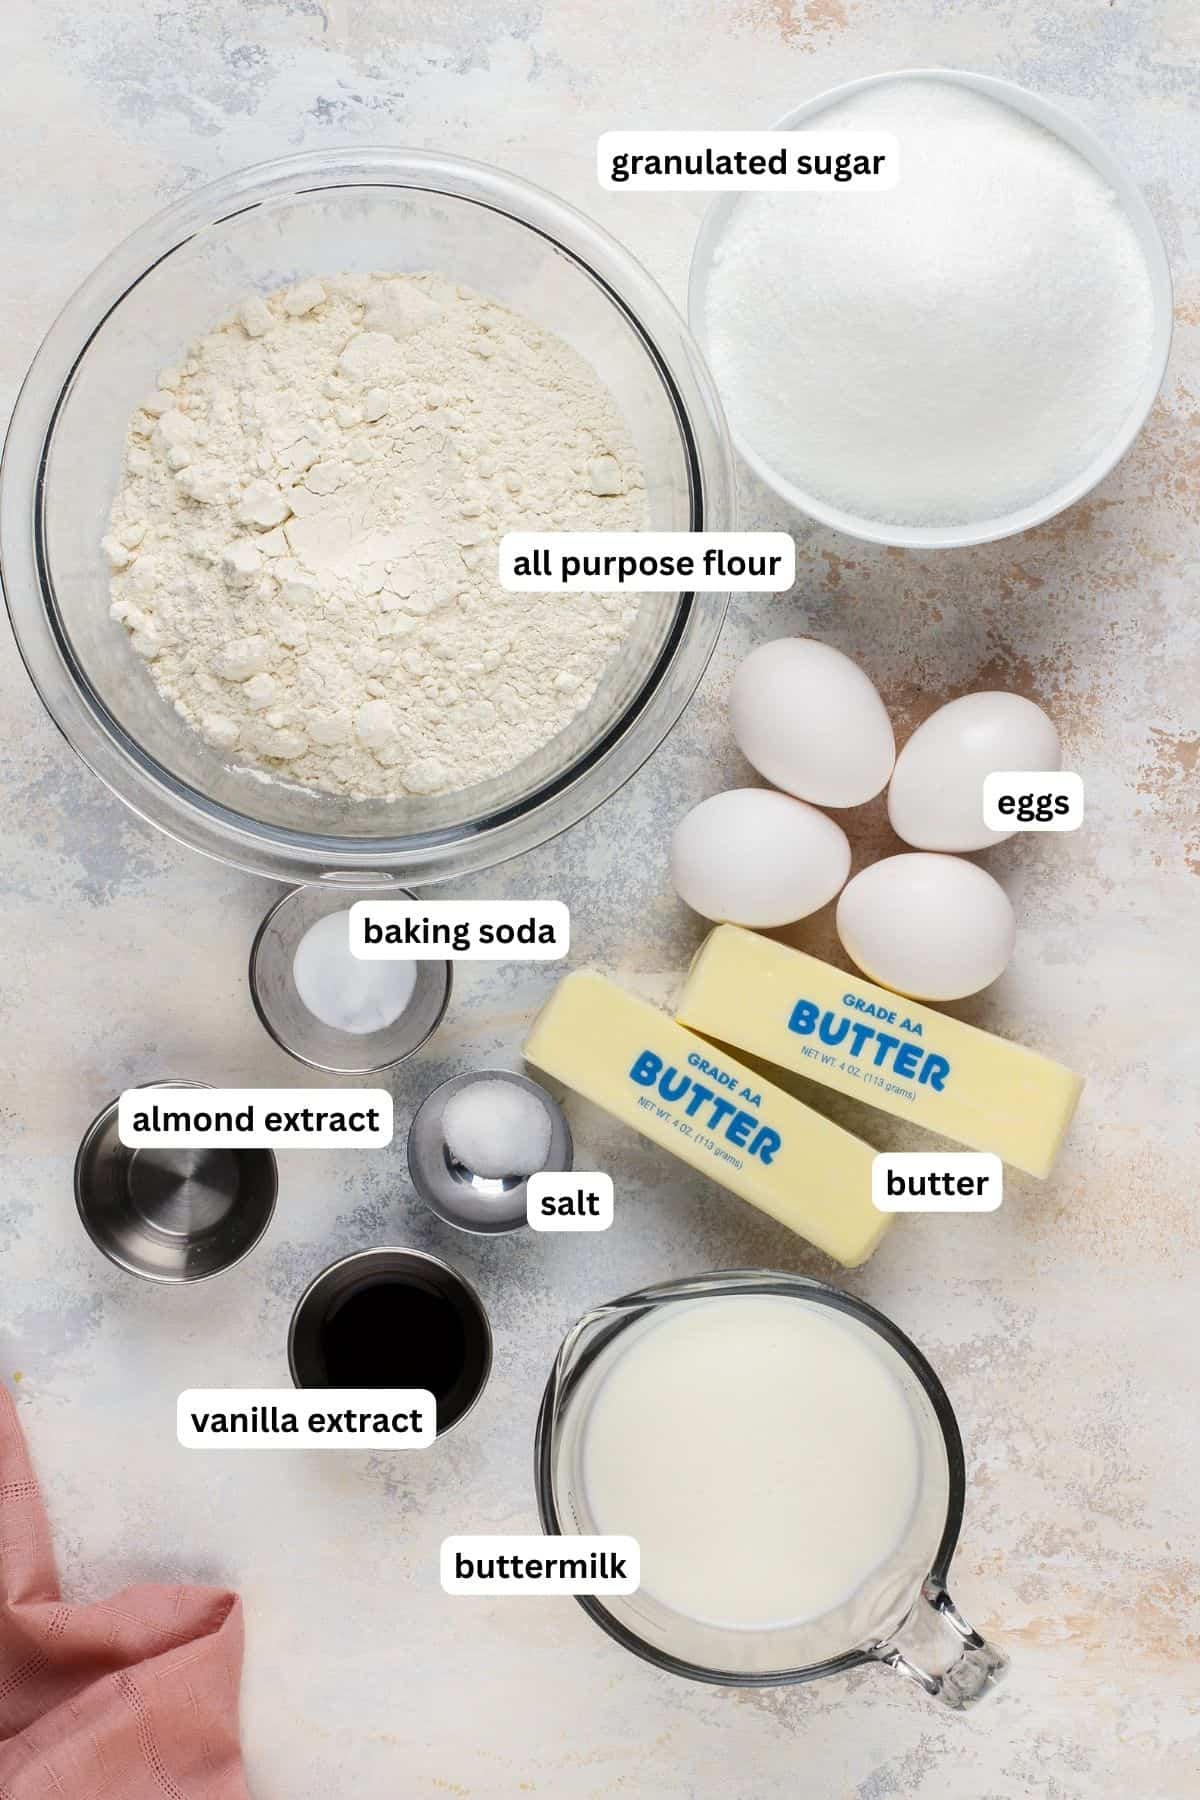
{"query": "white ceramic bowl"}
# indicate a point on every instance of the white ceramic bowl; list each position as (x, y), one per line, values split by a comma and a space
(928, 537)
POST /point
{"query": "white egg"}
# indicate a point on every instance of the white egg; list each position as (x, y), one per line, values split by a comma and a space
(936, 798)
(933, 927)
(812, 723)
(751, 857)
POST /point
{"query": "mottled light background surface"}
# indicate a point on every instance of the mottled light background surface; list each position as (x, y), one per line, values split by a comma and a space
(1064, 1326)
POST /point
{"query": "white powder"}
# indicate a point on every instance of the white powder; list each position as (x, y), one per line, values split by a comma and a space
(495, 1128)
(946, 351)
(304, 542)
(341, 989)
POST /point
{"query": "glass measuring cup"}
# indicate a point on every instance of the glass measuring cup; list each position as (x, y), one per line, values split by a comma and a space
(902, 1616)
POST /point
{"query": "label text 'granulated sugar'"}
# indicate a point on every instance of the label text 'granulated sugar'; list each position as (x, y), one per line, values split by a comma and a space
(708, 161)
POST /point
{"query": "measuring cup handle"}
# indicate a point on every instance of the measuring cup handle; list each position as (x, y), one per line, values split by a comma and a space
(936, 1648)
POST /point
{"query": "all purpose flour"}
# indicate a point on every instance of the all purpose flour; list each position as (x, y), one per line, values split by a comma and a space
(303, 545)
(945, 351)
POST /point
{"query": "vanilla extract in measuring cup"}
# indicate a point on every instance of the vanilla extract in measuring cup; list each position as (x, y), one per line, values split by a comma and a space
(390, 1333)
(393, 1319)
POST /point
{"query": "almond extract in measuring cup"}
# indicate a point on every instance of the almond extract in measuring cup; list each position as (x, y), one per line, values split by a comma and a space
(394, 1319)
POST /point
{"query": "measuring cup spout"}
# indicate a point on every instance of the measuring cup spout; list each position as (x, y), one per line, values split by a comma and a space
(936, 1648)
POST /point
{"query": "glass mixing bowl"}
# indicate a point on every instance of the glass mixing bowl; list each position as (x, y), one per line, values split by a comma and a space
(170, 282)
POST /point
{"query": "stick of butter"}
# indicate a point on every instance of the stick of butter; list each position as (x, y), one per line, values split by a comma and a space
(803, 1015)
(714, 1114)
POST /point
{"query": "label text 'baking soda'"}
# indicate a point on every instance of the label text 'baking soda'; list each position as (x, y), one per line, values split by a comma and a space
(663, 562)
(707, 161)
(460, 930)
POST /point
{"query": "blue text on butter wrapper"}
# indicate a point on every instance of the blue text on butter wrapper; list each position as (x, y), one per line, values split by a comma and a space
(910, 1060)
(737, 1125)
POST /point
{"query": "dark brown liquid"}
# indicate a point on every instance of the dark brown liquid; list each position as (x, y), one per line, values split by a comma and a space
(396, 1333)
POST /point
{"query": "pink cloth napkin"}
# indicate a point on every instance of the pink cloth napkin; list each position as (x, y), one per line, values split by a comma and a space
(133, 1698)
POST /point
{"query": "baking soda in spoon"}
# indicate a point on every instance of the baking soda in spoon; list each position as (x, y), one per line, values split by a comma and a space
(948, 350)
(344, 991)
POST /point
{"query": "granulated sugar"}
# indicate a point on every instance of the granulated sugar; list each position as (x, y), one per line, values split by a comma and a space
(945, 351)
